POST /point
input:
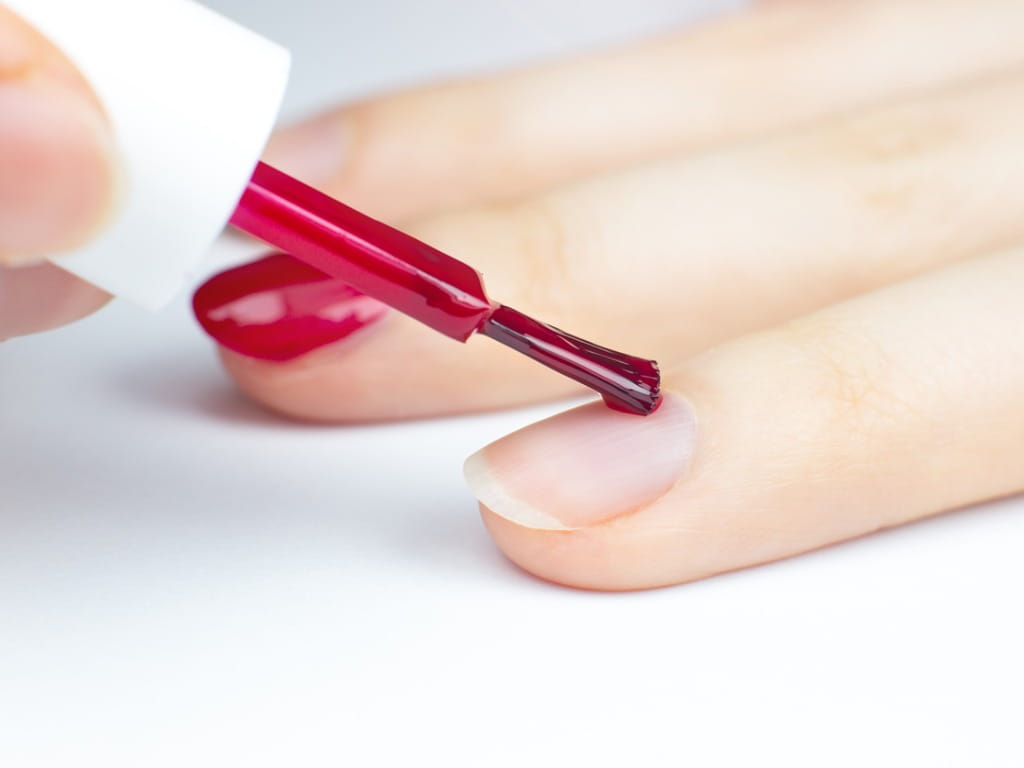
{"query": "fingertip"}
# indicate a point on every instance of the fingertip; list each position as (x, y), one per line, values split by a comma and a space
(39, 298)
(551, 555)
(292, 390)
(61, 175)
(610, 558)
(399, 371)
(295, 347)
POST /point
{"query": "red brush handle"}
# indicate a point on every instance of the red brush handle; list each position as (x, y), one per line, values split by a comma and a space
(376, 259)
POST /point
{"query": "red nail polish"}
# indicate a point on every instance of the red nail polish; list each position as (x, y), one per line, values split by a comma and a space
(279, 308)
(403, 272)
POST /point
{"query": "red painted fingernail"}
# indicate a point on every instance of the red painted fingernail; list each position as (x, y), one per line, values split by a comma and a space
(279, 309)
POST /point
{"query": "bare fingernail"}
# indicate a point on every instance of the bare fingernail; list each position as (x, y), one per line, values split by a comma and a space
(584, 467)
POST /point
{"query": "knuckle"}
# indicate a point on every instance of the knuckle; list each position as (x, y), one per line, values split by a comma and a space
(863, 391)
(546, 245)
(890, 146)
(901, 135)
(525, 251)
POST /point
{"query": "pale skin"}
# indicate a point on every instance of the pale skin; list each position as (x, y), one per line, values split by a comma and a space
(811, 213)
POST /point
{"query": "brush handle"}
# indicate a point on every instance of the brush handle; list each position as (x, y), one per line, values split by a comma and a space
(376, 259)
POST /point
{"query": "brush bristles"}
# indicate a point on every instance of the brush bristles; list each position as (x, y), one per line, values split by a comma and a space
(626, 383)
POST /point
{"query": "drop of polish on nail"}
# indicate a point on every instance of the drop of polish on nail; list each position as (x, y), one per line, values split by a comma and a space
(279, 308)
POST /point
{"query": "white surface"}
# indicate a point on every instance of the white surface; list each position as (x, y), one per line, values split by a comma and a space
(186, 581)
(192, 98)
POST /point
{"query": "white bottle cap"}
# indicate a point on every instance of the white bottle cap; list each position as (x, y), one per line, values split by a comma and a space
(192, 98)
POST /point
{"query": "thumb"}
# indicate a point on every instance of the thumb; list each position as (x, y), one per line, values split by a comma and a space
(57, 169)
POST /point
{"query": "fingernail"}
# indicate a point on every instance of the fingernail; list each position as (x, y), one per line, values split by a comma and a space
(59, 173)
(279, 309)
(312, 151)
(584, 467)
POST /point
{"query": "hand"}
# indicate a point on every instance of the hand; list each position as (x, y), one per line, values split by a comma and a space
(807, 212)
(57, 180)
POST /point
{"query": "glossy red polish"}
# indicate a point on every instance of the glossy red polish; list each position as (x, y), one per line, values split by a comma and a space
(378, 260)
(424, 283)
(279, 308)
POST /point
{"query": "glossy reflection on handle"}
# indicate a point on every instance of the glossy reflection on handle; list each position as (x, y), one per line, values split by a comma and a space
(374, 258)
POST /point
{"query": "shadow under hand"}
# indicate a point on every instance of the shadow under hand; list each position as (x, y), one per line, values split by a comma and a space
(192, 383)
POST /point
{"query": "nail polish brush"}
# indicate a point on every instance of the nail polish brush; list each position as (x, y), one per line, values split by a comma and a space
(428, 285)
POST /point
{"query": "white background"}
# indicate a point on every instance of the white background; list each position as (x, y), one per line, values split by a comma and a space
(187, 581)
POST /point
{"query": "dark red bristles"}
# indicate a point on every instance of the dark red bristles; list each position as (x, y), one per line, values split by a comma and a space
(626, 383)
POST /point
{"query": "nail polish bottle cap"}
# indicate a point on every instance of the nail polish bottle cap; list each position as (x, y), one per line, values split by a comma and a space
(192, 98)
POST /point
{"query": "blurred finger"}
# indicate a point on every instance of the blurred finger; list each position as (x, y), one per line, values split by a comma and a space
(778, 64)
(57, 167)
(42, 297)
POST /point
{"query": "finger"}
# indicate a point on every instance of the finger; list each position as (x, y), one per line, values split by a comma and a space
(869, 403)
(778, 64)
(42, 297)
(57, 179)
(662, 261)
